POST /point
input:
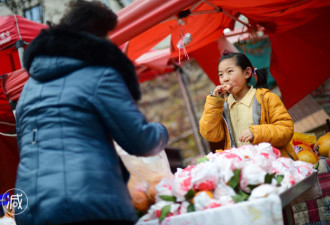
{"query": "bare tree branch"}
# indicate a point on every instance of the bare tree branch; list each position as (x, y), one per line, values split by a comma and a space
(119, 2)
(19, 6)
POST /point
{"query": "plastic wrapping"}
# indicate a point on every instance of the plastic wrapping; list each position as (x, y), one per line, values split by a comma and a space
(145, 174)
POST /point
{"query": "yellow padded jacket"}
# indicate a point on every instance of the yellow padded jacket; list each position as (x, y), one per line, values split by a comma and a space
(271, 122)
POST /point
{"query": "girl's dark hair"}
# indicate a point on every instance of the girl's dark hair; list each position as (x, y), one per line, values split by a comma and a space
(244, 62)
(89, 16)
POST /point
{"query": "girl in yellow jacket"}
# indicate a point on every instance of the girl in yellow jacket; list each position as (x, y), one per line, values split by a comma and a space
(247, 115)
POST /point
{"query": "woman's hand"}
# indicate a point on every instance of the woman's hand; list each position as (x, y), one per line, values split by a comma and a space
(246, 136)
(221, 90)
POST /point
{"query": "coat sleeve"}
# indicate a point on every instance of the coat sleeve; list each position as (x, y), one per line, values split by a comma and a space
(211, 122)
(279, 131)
(126, 124)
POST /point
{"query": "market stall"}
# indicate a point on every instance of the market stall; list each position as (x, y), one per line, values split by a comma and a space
(15, 33)
(245, 185)
(297, 31)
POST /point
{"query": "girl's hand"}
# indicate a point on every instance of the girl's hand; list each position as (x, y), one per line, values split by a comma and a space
(246, 136)
(221, 90)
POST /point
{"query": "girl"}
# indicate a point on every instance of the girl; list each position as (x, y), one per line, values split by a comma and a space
(248, 115)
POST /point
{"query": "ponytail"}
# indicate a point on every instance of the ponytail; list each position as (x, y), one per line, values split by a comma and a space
(261, 77)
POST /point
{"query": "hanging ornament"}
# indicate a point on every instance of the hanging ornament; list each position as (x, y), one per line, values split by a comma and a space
(181, 22)
(184, 41)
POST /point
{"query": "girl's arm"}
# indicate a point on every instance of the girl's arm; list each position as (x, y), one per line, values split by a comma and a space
(211, 123)
(280, 130)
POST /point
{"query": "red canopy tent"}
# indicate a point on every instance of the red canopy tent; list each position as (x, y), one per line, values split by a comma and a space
(11, 86)
(15, 33)
(293, 27)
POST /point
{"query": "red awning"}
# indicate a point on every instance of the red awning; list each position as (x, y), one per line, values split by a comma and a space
(279, 18)
(9, 159)
(144, 14)
(12, 29)
(13, 83)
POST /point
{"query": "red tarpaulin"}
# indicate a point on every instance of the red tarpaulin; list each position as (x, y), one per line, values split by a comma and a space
(11, 86)
(146, 14)
(12, 29)
(300, 58)
(13, 83)
(279, 17)
(6, 114)
(9, 160)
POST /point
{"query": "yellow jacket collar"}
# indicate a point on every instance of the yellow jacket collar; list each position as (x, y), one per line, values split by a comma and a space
(246, 100)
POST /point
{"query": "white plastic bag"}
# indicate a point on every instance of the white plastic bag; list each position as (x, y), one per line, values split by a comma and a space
(145, 174)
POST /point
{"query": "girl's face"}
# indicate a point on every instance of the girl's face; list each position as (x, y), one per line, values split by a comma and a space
(233, 75)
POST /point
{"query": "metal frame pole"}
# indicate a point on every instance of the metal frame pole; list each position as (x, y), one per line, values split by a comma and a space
(183, 84)
(20, 49)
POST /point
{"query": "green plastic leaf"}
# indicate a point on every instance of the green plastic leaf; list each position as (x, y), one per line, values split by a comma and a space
(268, 178)
(316, 166)
(164, 212)
(202, 159)
(240, 197)
(190, 194)
(191, 208)
(233, 182)
(251, 186)
(169, 198)
(279, 179)
(139, 213)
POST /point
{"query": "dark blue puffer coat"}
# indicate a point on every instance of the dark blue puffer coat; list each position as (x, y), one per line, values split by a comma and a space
(68, 112)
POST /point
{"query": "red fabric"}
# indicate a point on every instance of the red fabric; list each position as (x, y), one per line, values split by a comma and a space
(8, 146)
(6, 114)
(12, 28)
(24, 29)
(208, 25)
(9, 60)
(9, 159)
(152, 64)
(144, 42)
(10, 32)
(324, 179)
(13, 83)
(300, 58)
(146, 15)
(295, 27)
(285, 216)
(155, 59)
(275, 15)
(210, 63)
(313, 211)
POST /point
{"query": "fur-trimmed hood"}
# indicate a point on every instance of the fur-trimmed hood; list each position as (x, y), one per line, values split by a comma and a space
(73, 50)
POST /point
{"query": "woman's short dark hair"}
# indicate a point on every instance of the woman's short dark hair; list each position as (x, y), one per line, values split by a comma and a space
(90, 16)
(244, 62)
